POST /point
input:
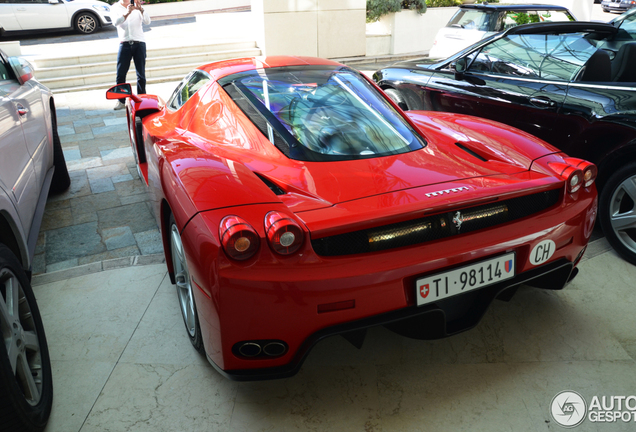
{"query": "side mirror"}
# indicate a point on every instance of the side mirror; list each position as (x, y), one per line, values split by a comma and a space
(54, 1)
(22, 69)
(120, 91)
(460, 68)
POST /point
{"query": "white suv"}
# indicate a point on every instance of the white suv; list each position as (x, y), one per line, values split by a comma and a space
(84, 16)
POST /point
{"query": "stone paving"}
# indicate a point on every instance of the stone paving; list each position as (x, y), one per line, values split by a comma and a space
(106, 213)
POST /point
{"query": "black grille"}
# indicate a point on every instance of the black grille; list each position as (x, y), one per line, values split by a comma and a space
(435, 227)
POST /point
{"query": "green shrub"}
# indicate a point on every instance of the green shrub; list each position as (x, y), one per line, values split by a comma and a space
(377, 8)
(443, 3)
(144, 1)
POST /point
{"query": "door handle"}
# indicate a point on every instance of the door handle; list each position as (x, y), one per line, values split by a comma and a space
(21, 109)
(542, 102)
(21, 9)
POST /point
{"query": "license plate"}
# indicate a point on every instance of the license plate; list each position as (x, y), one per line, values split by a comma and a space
(464, 279)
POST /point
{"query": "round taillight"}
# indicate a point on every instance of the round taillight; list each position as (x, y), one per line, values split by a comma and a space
(572, 175)
(575, 180)
(589, 169)
(239, 240)
(283, 233)
(589, 174)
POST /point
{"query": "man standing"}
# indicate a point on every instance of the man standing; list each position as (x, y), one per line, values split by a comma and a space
(129, 18)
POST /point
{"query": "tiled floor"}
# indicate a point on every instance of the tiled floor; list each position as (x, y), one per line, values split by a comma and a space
(105, 214)
(122, 362)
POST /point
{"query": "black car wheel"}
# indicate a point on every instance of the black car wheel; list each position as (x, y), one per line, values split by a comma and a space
(618, 211)
(183, 283)
(86, 23)
(397, 97)
(136, 136)
(61, 180)
(26, 387)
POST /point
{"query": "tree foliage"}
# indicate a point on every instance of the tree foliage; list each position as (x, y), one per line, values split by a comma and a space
(378, 8)
(443, 3)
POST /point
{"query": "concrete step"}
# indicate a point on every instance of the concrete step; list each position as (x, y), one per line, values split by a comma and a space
(179, 68)
(151, 62)
(167, 64)
(43, 62)
(105, 86)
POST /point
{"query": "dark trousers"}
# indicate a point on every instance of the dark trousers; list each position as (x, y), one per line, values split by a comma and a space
(136, 52)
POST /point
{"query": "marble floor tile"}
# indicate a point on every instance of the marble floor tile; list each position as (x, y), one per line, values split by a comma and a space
(122, 362)
(161, 336)
(320, 398)
(93, 317)
(76, 386)
(158, 398)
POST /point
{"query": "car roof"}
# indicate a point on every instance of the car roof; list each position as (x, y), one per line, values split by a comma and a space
(222, 68)
(563, 27)
(513, 7)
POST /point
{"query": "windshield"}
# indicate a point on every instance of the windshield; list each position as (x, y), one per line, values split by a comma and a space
(627, 22)
(321, 114)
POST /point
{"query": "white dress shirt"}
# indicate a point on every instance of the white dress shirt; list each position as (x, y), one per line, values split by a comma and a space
(131, 28)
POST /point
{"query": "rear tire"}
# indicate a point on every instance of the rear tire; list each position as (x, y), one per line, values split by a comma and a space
(617, 211)
(137, 137)
(86, 23)
(397, 97)
(183, 283)
(26, 385)
(61, 180)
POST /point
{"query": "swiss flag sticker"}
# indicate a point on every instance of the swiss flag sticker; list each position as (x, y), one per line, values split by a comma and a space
(424, 290)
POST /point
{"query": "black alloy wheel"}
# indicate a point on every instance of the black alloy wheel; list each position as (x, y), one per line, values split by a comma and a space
(26, 385)
(617, 211)
(61, 179)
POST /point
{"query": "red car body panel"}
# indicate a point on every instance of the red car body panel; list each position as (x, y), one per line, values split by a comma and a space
(203, 164)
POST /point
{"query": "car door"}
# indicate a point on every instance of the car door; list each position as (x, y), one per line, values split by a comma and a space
(17, 172)
(508, 81)
(40, 14)
(8, 21)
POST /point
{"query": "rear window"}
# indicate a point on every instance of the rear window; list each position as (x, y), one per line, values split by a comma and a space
(474, 20)
(515, 18)
(552, 57)
(321, 113)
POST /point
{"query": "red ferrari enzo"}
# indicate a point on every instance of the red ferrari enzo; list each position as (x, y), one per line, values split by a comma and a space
(297, 201)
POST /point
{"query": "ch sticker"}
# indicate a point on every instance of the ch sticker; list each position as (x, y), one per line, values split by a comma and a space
(542, 252)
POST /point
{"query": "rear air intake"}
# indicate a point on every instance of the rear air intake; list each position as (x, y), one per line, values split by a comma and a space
(435, 227)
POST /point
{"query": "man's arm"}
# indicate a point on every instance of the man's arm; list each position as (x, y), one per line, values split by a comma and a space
(119, 14)
(145, 16)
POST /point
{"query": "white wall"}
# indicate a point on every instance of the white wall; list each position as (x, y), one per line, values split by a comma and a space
(191, 6)
(409, 32)
(322, 28)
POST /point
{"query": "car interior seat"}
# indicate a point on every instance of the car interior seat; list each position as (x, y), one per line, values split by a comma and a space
(597, 68)
(624, 64)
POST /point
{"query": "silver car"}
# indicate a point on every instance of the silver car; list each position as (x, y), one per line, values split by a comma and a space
(31, 166)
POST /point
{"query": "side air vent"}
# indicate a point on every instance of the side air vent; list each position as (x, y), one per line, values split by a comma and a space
(273, 187)
(471, 152)
(429, 228)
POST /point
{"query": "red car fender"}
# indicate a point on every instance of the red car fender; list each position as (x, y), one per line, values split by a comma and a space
(489, 139)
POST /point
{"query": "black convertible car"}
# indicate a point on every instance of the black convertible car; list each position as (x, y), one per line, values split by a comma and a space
(572, 84)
